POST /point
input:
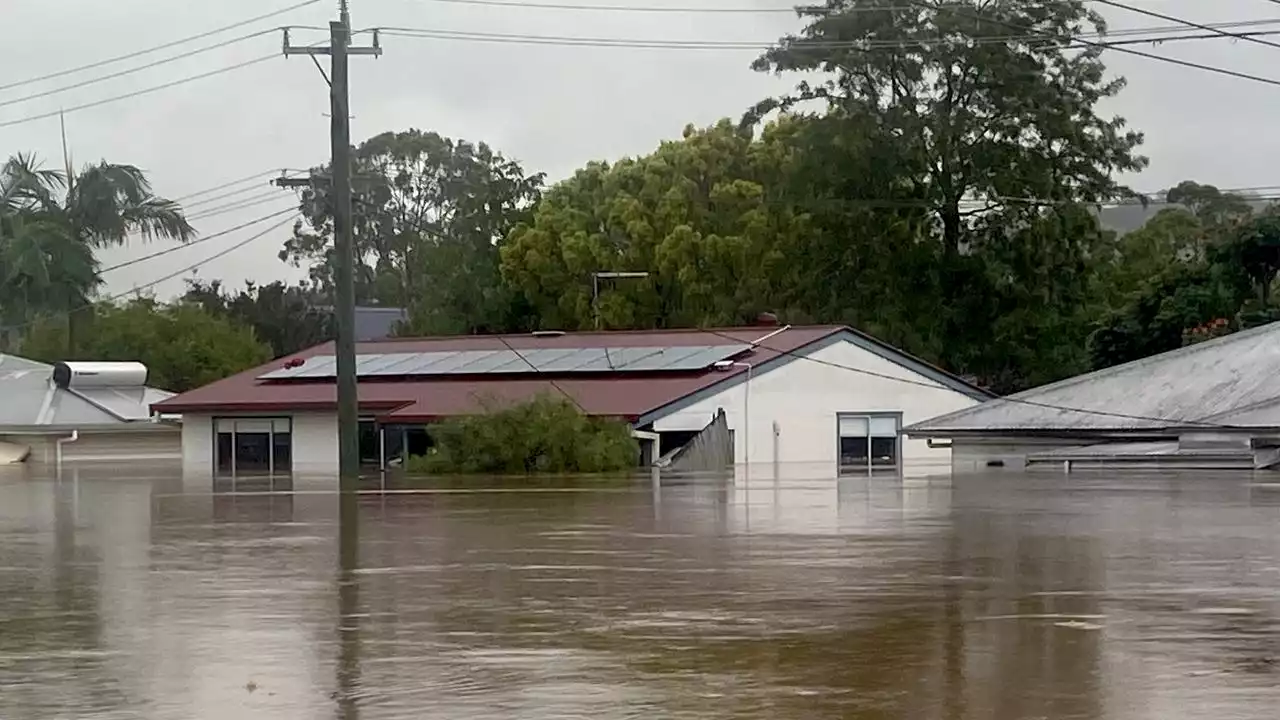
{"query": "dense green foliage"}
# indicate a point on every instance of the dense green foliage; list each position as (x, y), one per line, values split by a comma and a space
(289, 318)
(1189, 275)
(544, 435)
(182, 345)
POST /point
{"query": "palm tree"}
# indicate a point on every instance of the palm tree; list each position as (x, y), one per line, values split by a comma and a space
(51, 223)
(102, 205)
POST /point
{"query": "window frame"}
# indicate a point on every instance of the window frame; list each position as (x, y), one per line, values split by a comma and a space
(871, 469)
(273, 425)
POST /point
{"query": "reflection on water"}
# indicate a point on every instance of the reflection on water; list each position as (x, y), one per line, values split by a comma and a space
(1007, 597)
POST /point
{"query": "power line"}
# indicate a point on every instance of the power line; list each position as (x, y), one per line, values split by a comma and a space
(241, 205)
(194, 243)
(146, 286)
(1188, 23)
(157, 48)
(137, 93)
(232, 183)
(1103, 46)
(222, 196)
(139, 68)
(538, 371)
(932, 386)
(666, 44)
(198, 265)
(644, 8)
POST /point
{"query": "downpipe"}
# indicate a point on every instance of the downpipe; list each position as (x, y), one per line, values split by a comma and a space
(74, 436)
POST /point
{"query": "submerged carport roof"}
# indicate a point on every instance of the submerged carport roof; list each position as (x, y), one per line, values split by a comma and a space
(1228, 382)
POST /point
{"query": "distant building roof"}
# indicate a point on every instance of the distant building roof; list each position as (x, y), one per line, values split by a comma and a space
(30, 400)
(614, 393)
(1230, 381)
(375, 322)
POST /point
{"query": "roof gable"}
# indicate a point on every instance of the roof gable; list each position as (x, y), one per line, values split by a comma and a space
(803, 353)
(1200, 384)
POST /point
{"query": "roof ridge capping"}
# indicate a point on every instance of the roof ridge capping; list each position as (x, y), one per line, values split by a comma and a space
(1025, 395)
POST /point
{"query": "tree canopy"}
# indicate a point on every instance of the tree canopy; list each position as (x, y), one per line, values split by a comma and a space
(182, 345)
(429, 213)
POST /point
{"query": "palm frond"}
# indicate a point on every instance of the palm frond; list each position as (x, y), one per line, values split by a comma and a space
(109, 202)
(24, 184)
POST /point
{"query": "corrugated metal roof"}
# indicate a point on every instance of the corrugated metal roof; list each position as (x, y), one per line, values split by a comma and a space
(418, 399)
(28, 398)
(1233, 380)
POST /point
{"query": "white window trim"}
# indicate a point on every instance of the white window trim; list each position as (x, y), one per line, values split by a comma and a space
(842, 469)
(274, 425)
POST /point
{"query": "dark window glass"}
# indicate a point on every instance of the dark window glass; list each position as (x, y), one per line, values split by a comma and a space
(853, 452)
(368, 442)
(225, 456)
(417, 441)
(884, 451)
(253, 452)
(282, 452)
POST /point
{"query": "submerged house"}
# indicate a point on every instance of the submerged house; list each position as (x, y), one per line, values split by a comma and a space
(81, 412)
(1213, 405)
(828, 397)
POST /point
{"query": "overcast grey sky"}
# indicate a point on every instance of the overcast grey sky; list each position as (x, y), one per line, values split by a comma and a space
(552, 108)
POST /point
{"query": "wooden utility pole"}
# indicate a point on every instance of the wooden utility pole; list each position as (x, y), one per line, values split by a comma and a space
(339, 50)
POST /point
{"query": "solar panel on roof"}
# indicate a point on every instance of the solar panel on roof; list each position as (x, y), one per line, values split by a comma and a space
(519, 361)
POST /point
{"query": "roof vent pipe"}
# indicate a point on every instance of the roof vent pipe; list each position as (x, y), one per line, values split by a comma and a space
(775, 333)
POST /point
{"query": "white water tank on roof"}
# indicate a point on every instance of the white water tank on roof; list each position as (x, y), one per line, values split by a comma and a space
(99, 374)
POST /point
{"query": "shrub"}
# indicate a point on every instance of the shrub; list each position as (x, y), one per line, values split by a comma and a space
(544, 435)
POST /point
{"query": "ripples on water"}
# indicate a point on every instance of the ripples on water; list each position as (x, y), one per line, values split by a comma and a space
(1006, 597)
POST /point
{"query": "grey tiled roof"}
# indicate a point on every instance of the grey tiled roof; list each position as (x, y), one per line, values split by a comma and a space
(28, 398)
(1233, 380)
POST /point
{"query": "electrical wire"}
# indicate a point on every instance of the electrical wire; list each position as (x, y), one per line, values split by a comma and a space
(198, 265)
(246, 203)
(228, 184)
(139, 68)
(1188, 23)
(807, 44)
(256, 187)
(137, 93)
(194, 243)
(1018, 401)
(157, 48)
(920, 4)
(146, 286)
(639, 8)
(537, 371)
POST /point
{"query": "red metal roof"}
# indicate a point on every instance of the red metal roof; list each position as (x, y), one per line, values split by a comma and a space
(428, 398)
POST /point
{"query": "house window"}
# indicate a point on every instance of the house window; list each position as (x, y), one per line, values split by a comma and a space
(870, 443)
(251, 446)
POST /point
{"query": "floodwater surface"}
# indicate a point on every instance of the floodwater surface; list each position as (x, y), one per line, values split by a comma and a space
(994, 598)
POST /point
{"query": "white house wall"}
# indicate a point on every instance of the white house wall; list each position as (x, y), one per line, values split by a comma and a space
(805, 397)
(315, 443)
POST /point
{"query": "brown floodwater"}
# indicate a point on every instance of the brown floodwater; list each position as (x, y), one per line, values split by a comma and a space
(998, 598)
